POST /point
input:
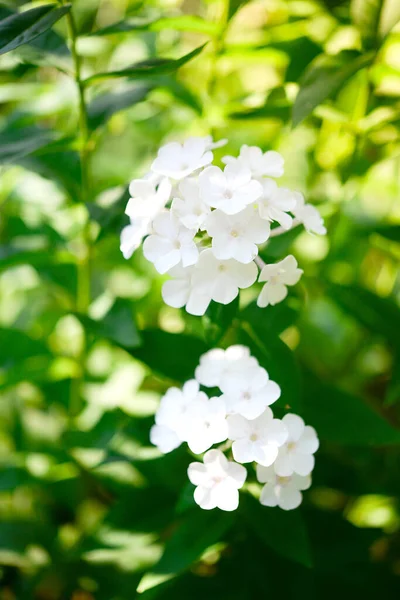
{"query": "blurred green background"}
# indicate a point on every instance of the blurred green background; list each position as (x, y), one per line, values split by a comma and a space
(88, 509)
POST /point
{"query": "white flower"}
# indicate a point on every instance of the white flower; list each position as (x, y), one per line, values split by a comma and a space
(236, 236)
(256, 440)
(206, 424)
(284, 492)
(218, 481)
(217, 365)
(190, 209)
(145, 204)
(132, 236)
(178, 292)
(248, 393)
(172, 416)
(170, 244)
(147, 200)
(268, 164)
(296, 456)
(230, 190)
(308, 215)
(275, 203)
(278, 276)
(180, 160)
(221, 279)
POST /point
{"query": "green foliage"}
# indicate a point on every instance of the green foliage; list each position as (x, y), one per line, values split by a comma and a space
(89, 510)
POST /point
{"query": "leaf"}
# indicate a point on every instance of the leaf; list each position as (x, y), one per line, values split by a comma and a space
(270, 322)
(118, 325)
(104, 106)
(269, 525)
(22, 28)
(379, 315)
(342, 418)
(196, 532)
(112, 218)
(173, 355)
(191, 23)
(325, 77)
(277, 359)
(375, 19)
(16, 143)
(217, 320)
(149, 68)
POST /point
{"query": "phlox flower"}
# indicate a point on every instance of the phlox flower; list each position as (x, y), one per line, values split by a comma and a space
(230, 190)
(275, 203)
(178, 292)
(217, 366)
(284, 492)
(296, 456)
(269, 164)
(180, 160)
(236, 236)
(206, 424)
(278, 276)
(308, 215)
(190, 208)
(221, 279)
(217, 481)
(170, 244)
(257, 439)
(249, 392)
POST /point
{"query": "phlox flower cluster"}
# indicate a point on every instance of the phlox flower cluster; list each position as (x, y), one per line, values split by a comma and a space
(241, 421)
(204, 225)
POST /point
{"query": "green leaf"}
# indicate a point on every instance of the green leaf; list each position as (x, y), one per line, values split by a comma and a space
(173, 355)
(269, 525)
(196, 532)
(325, 77)
(191, 23)
(104, 106)
(379, 315)
(149, 68)
(269, 322)
(24, 27)
(217, 320)
(277, 359)
(345, 419)
(16, 143)
(118, 325)
(375, 19)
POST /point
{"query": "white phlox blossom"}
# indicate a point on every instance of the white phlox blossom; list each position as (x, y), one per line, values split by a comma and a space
(308, 215)
(204, 226)
(217, 481)
(296, 456)
(144, 205)
(284, 492)
(241, 420)
(236, 236)
(217, 366)
(180, 160)
(256, 440)
(179, 291)
(267, 164)
(230, 190)
(275, 203)
(190, 208)
(278, 276)
(249, 392)
(170, 244)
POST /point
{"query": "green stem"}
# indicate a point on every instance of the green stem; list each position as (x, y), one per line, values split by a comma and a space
(84, 267)
(217, 49)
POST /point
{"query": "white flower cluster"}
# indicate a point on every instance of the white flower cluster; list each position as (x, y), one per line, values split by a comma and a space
(282, 449)
(204, 225)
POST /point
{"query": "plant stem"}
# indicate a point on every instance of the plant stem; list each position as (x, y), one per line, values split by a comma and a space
(217, 49)
(83, 264)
